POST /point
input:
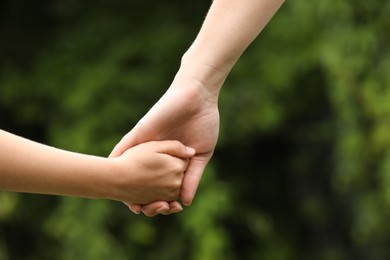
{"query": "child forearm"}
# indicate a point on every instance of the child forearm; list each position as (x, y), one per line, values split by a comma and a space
(142, 174)
(27, 166)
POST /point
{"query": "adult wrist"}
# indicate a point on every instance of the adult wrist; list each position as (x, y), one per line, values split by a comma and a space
(202, 75)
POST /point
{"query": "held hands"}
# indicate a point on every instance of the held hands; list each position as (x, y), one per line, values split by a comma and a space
(189, 114)
(188, 111)
(150, 171)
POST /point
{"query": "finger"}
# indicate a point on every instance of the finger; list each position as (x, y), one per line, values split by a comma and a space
(127, 141)
(191, 179)
(174, 207)
(155, 208)
(175, 148)
(135, 208)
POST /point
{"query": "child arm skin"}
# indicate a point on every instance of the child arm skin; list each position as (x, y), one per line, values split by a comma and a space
(142, 174)
(191, 100)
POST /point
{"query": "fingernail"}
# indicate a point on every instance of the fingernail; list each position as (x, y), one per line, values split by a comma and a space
(161, 209)
(179, 209)
(190, 149)
(187, 203)
(134, 211)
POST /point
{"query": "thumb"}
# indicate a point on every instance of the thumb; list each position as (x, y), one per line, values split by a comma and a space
(127, 141)
(175, 148)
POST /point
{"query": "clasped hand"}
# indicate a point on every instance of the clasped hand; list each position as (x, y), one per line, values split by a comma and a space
(185, 113)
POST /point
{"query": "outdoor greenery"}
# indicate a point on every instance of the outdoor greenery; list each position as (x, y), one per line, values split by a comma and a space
(302, 166)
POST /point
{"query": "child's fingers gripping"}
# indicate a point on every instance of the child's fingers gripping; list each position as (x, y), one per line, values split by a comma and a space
(135, 208)
(174, 207)
(175, 148)
(155, 208)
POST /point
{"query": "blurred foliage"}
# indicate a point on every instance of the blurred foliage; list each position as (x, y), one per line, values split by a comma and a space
(302, 167)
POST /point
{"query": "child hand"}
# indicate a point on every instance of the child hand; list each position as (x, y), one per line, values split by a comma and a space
(151, 171)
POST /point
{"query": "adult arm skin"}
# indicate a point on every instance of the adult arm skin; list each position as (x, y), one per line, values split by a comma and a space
(188, 111)
(144, 173)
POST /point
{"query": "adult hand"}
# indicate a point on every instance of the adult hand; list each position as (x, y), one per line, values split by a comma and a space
(187, 112)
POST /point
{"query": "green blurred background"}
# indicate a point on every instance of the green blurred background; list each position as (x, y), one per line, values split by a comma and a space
(302, 167)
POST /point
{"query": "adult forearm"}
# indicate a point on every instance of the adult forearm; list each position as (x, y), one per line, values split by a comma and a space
(229, 28)
(27, 166)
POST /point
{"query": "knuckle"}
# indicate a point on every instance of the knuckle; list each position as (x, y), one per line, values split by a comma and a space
(177, 184)
(177, 167)
(174, 194)
(174, 186)
(177, 143)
